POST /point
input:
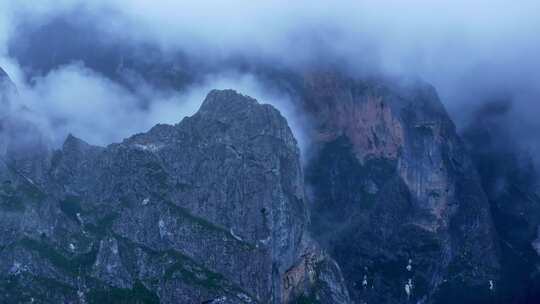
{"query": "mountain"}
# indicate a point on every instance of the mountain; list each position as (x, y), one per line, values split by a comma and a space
(394, 207)
(4, 103)
(512, 184)
(211, 210)
(6, 89)
(397, 201)
(21, 142)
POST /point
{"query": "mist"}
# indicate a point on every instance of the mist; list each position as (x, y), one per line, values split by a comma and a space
(472, 52)
(74, 99)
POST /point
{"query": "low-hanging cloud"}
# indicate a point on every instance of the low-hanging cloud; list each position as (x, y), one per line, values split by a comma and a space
(77, 100)
(74, 99)
(472, 51)
(417, 35)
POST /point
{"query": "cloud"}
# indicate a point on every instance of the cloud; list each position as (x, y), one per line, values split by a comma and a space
(77, 100)
(74, 99)
(415, 35)
(472, 51)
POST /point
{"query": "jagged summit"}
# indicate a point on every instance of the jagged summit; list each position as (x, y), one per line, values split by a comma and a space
(5, 81)
(211, 210)
(393, 185)
(7, 88)
(71, 141)
(217, 100)
(3, 73)
(76, 146)
(227, 117)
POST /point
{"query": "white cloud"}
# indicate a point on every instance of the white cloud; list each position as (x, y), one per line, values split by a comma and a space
(74, 99)
(468, 49)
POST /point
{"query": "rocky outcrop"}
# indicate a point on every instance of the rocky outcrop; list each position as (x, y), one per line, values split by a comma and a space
(397, 200)
(315, 278)
(5, 92)
(22, 145)
(211, 210)
(512, 184)
(7, 88)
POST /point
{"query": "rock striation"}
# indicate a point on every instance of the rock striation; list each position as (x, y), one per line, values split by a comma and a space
(397, 200)
(211, 210)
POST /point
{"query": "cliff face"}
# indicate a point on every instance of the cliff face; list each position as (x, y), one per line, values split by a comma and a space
(512, 184)
(6, 88)
(211, 210)
(22, 145)
(397, 200)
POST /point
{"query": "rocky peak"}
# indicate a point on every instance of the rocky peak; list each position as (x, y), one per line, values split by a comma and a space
(371, 113)
(3, 73)
(393, 185)
(510, 179)
(211, 210)
(22, 145)
(5, 80)
(226, 102)
(76, 146)
(232, 111)
(7, 89)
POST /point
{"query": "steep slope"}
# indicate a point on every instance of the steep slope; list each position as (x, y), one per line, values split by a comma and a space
(6, 85)
(397, 200)
(5, 106)
(21, 142)
(512, 184)
(211, 210)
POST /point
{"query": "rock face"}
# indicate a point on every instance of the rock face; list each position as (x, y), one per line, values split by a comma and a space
(21, 143)
(6, 88)
(211, 210)
(512, 184)
(397, 201)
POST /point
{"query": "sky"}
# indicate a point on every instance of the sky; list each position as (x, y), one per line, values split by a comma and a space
(471, 51)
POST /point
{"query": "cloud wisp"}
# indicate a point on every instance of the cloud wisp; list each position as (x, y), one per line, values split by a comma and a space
(472, 52)
(77, 100)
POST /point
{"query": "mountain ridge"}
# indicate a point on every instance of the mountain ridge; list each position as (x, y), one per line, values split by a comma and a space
(170, 216)
(395, 210)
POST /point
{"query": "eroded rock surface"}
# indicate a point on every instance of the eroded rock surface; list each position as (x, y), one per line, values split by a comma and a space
(512, 183)
(211, 210)
(397, 200)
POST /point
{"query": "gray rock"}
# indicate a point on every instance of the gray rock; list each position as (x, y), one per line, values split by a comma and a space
(211, 210)
(392, 182)
(7, 89)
